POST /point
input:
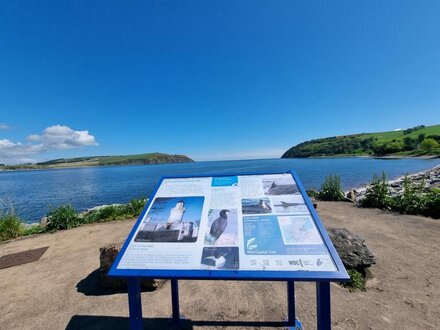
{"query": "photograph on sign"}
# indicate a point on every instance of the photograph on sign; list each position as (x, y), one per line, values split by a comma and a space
(174, 219)
(280, 186)
(256, 205)
(222, 228)
(220, 258)
(293, 204)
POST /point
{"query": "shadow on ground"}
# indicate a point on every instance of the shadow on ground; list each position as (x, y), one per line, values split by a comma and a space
(88, 322)
(91, 286)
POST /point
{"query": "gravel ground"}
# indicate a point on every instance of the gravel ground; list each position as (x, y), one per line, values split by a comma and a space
(59, 291)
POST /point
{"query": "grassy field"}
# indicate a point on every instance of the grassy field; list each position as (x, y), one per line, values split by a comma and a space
(416, 141)
(383, 137)
(140, 159)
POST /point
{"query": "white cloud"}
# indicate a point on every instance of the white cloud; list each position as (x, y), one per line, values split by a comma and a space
(55, 137)
(33, 138)
(4, 126)
(63, 137)
(398, 129)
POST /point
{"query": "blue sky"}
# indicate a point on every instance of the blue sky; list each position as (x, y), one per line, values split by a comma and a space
(210, 79)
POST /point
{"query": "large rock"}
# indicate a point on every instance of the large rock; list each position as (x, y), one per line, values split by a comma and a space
(352, 249)
(43, 222)
(351, 195)
(107, 256)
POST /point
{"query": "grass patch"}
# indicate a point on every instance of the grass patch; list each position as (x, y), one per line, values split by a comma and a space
(357, 281)
(65, 217)
(312, 193)
(416, 141)
(10, 226)
(116, 212)
(377, 194)
(331, 189)
(32, 230)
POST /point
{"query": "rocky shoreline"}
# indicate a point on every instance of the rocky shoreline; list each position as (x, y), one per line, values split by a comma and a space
(430, 179)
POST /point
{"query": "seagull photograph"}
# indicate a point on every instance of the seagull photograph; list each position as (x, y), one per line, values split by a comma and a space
(218, 258)
(219, 261)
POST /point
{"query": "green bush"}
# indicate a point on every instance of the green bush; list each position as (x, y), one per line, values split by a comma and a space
(331, 189)
(117, 212)
(411, 201)
(63, 217)
(432, 204)
(100, 215)
(313, 194)
(357, 280)
(31, 230)
(136, 205)
(377, 194)
(429, 145)
(111, 212)
(10, 226)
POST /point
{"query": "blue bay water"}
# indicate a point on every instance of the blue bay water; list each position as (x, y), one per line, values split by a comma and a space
(32, 193)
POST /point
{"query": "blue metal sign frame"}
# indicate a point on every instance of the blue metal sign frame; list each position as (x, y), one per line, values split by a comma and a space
(323, 278)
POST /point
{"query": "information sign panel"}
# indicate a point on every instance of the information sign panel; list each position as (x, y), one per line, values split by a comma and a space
(230, 226)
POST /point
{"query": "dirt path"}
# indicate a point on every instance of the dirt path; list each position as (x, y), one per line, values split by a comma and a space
(58, 291)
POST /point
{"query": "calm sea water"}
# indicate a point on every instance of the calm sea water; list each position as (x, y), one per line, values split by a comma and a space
(32, 193)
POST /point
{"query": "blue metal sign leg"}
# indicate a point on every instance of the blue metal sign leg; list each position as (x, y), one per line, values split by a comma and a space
(291, 303)
(292, 322)
(135, 303)
(175, 300)
(323, 305)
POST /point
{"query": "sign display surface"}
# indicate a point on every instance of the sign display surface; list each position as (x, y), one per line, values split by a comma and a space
(225, 225)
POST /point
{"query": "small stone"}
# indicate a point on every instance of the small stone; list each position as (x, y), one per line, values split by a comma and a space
(313, 200)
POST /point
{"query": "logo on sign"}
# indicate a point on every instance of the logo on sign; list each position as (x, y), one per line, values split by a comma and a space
(296, 262)
(250, 244)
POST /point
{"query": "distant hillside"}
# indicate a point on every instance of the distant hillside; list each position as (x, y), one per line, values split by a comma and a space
(417, 141)
(142, 159)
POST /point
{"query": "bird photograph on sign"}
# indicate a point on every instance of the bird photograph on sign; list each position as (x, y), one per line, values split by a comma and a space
(220, 258)
(256, 205)
(222, 227)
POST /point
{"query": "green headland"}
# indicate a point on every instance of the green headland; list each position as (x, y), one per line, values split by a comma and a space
(140, 159)
(413, 142)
